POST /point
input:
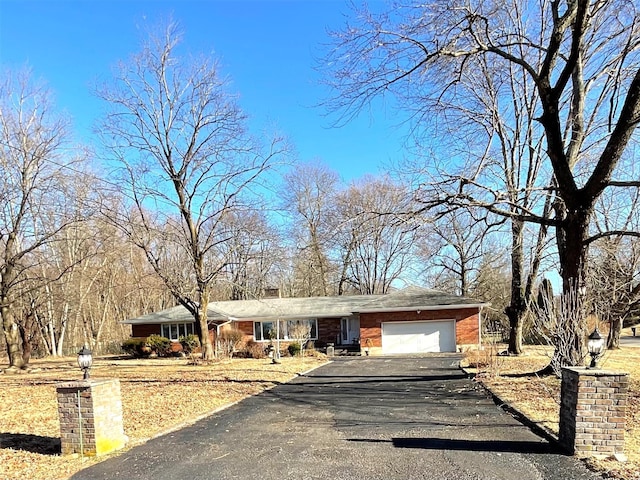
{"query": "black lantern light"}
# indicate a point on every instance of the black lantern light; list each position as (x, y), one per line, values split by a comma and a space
(595, 345)
(85, 360)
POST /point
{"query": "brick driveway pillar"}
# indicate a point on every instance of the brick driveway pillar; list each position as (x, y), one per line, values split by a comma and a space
(592, 411)
(90, 414)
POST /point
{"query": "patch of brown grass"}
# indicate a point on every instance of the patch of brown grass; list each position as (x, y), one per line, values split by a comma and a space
(539, 397)
(157, 395)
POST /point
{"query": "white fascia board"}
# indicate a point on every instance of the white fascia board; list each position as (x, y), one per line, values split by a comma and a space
(273, 318)
(414, 309)
(151, 321)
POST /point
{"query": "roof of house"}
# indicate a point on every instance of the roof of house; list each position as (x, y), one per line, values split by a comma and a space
(410, 298)
(177, 314)
(416, 298)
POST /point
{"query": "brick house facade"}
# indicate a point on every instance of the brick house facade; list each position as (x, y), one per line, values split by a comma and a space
(413, 320)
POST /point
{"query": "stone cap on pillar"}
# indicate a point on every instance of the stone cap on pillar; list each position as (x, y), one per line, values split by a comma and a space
(84, 383)
(595, 372)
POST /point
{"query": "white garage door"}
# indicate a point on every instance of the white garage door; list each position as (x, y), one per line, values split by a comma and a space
(418, 337)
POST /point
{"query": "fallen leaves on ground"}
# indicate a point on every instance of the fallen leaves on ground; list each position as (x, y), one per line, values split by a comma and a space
(157, 395)
(538, 397)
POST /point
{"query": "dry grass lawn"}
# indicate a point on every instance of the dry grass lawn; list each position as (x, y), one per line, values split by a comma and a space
(157, 395)
(539, 397)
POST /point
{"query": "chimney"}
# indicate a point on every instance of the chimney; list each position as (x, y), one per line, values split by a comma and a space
(271, 293)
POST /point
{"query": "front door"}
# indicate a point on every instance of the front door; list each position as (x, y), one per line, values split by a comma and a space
(350, 331)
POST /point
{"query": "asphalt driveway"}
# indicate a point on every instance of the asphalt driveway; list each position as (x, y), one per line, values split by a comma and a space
(356, 418)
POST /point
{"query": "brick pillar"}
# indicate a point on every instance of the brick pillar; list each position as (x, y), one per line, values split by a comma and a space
(592, 411)
(90, 417)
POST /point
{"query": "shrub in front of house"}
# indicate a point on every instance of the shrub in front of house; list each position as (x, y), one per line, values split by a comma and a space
(113, 348)
(136, 347)
(189, 343)
(252, 349)
(294, 349)
(159, 345)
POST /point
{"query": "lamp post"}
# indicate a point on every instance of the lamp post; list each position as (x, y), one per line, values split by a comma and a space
(595, 345)
(85, 360)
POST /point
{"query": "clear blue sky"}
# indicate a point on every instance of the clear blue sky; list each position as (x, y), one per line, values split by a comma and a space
(268, 49)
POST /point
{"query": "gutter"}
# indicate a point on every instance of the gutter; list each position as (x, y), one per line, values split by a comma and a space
(480, 328)
(221, 325)
(416, 308)
(304, 316)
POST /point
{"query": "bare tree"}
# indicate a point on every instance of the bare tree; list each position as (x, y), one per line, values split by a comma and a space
(34, 198)
(378, 236)
(252, 252)
(186, 157)
(309, 191)
(454, 245)
(496, 131)
(464, 254)
(614, 260)
(300, 332)
(614, 281)
(492, 284)
(580, 57)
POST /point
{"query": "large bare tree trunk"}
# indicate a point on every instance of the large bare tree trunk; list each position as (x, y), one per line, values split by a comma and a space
(12, 336)
(615, 330)
(572, 249)
(208, 352)
(516, 310)
(515, 317)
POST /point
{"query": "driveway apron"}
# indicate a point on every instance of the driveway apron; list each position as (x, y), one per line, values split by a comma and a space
(356, 418)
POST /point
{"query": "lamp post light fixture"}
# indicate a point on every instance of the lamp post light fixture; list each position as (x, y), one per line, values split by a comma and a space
(85, 360)
(595, 345)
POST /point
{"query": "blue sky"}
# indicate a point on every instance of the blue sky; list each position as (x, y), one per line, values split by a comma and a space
(267, 48)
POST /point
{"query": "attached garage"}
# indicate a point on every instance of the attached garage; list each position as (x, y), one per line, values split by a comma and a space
(418, 337)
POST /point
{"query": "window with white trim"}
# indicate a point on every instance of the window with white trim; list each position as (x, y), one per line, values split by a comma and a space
(173, 331)
(266, 330)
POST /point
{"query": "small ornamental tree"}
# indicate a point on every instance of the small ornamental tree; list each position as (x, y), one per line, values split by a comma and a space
(300, 331)
(229, 340)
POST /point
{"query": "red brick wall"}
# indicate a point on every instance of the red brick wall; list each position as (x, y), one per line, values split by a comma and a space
(245, 327)
(467, 331)
(145, 330)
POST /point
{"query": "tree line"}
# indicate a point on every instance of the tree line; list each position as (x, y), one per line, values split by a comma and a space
(176, 204)
(535, 105)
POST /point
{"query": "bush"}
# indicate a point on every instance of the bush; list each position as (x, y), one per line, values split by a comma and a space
(161, 346)
(189, 343)
(314, 353)
(136, 347)
(253, 349)
(113, 348)
(229, 340)
(294, 349)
